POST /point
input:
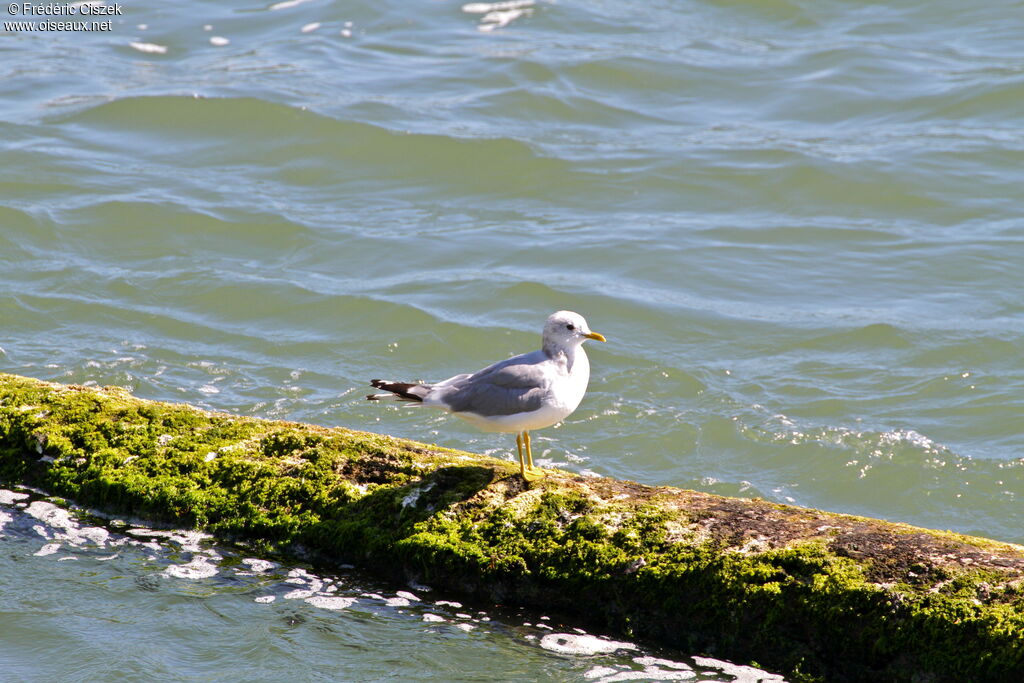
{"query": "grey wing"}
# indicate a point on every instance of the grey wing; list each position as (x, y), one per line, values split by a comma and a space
(516, 385)
(451, 380)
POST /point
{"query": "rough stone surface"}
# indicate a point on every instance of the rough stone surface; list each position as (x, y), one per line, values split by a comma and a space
(815, 595)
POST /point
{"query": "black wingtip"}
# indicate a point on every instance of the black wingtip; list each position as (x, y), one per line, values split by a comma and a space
(399, 389)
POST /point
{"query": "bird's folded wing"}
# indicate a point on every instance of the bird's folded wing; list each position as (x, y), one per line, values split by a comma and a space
(516, 385)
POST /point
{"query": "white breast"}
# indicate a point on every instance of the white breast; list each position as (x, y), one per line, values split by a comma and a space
(566, 393)
(569, 390)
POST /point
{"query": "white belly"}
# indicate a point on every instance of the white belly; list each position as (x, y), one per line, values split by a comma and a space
(564, 400)
(545, 416)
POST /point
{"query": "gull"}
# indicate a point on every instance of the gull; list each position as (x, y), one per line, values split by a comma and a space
(530, 391)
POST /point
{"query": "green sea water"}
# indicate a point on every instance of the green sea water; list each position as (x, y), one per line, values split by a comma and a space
(798, 224)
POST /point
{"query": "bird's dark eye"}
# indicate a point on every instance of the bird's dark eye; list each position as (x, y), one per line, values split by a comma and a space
(570, 327)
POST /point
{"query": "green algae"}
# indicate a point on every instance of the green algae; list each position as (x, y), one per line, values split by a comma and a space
(805, 592)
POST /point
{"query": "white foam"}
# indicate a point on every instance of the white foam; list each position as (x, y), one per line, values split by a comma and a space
(485, 7)
(407, 595)
(465, 627)
(149, 48)
(188, 539)
(572, 644)
(51, 515)
(219, 41)
(198, 568)
(92, 534)
(743, 674)
(11, 497)
(330, 602)
(648, 675)
(308, 28)
(48, 549)
(396, 602)
(502, 18)
(193, 545)
(298, 594)
(265, 599)
(433, 617)
(656, 661)
(142, 531)
(448, 603)
(258, 565)
(63, 526)
(286, 4)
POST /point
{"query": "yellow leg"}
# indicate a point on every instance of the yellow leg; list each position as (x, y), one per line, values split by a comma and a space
(526, 469)
(529, 451)
(522, 462)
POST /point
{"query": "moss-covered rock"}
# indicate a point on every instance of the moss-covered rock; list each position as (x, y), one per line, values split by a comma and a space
(805, 592)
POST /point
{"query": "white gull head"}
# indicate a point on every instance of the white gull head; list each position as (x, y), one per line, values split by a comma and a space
(564, 331)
